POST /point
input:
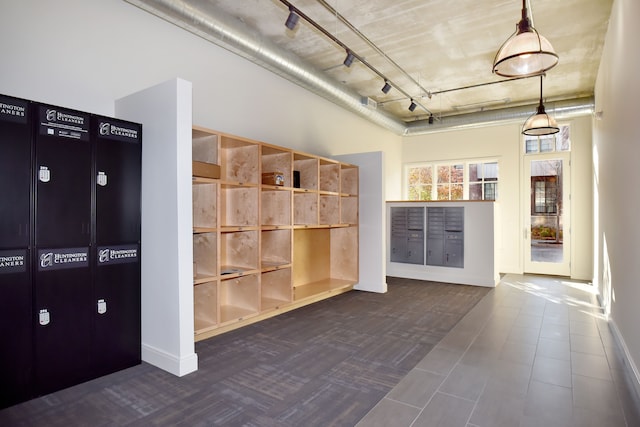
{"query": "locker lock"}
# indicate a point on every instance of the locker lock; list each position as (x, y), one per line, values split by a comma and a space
(44, 318)
(102, 306)
(102, 179)
(44, 174)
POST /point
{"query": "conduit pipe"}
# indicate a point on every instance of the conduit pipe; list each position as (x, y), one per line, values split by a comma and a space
(205, 20)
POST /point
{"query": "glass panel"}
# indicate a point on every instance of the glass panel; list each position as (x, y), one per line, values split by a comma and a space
(475, 191)
(475, 172)
(444, 173)
(457, 173)
(547, 144)
(443, 191)
(457, 191)
(426, 177)
(490, 191)
(546, 211)
(531, 145)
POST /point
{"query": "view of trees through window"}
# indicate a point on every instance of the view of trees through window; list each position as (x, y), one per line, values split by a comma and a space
(464, 180)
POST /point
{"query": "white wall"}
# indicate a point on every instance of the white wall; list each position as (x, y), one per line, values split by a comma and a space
(504, 143)
(617, 176)
(84, 54)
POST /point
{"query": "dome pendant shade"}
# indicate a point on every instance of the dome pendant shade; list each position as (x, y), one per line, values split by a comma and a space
(525, 53)
(540, 123)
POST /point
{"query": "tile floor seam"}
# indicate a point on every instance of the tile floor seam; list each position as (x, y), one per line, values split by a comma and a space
(402, 403)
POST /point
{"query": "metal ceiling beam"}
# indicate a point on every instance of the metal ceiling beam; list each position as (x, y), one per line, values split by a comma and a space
(205, 20)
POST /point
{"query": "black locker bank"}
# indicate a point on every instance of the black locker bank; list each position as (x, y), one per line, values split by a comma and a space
(69, 247)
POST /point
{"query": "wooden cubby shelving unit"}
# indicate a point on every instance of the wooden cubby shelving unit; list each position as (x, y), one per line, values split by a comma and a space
(262, 249)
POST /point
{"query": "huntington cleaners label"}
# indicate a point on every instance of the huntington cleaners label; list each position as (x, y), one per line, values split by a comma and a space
(62, 123)
(119, 131)
(60, 259)
(13, 261)
(13, 110)
(121, 254)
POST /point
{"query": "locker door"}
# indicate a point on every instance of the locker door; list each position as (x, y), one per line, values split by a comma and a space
(63, 181)
(454, 237)
(118, 166)
(15, 277)
(415, 236)
(15, 172)
(398, 234)
(15, 327)
(63, 316)
(435, 236)
(116, 339)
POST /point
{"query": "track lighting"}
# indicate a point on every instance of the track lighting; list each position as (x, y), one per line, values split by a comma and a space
(349, 59)
(525, 53)
(387, 87)
(431, 118)
(540, 123)
(413, 106)
(292, 20)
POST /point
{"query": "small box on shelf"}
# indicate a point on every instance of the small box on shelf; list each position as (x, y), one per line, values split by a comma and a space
(273, 178)
(205, 170)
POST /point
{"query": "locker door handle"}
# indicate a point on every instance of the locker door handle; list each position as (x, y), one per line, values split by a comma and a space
(102, 306)
(44, 317)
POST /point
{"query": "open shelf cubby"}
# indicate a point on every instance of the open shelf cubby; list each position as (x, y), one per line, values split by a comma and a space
(278, 160)
(205, 251)
(239, 206)
(204, 206)
(307, 168)
(276, 207)
(239, 297)
(329, 176)
(239, 252)
(205, 307)
(239, 160)
(275, 288)
(276, 248)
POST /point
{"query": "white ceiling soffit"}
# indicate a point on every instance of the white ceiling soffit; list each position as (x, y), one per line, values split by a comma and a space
(205, 20)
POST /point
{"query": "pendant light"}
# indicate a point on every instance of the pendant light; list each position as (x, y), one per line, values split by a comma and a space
(540, 123)
(525, 53)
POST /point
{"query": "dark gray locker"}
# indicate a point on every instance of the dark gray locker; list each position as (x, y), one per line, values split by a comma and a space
(63, 178)
(15, 273)
(63, 313)
(435, 236)
(445, 236)
(407, 235)
(116, 337)
(454, 237)
(118, 161)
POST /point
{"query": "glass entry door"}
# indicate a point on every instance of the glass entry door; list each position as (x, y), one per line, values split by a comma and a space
(547, 243)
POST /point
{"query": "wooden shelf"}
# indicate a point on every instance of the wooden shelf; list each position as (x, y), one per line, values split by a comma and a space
(261, 249)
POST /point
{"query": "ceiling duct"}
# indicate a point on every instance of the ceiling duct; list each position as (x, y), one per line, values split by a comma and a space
(559, 109)
(205, 20)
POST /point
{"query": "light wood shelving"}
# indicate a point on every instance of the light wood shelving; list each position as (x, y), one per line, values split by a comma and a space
(261, 249)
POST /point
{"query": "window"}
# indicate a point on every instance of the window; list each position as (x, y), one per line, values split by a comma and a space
(420, 181)
(450, 182)
(545, 196)
(483, 181)
(548, 143)
(472, 180)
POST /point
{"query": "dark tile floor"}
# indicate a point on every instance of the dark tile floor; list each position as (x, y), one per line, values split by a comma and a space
(534, 352)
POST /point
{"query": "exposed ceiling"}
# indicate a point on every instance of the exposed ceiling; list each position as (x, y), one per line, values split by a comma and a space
(432, 50)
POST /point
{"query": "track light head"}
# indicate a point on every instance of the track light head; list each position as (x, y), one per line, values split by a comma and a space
(349, 59)
(412, 106)
(387, 87)
(292, 20)
(431, 118)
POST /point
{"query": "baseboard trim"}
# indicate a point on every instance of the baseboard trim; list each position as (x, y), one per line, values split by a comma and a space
(175, 365)
(629, 363)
